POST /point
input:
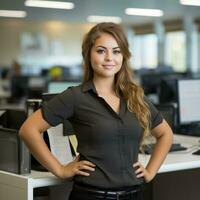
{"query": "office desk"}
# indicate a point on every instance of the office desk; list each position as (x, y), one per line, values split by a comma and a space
(20, 187)
(180, 160)
(179, 176)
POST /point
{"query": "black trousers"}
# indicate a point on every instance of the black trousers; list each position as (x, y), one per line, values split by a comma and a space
(88, 193)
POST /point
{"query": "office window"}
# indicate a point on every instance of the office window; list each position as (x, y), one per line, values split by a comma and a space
(144, 51)
(175, 50)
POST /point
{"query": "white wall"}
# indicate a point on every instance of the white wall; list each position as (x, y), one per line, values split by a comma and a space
(63, 41)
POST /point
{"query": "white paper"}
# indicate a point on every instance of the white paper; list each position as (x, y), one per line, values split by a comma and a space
(59, 144)
(2, 112)
(74, 143)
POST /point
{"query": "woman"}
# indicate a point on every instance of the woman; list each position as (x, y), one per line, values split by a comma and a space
(111, 118)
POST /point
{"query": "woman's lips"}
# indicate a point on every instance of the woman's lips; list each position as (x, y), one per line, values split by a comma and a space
(108, 66)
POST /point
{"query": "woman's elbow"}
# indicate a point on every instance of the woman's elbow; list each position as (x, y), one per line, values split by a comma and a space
(23, 130)
(34, 124)
(164, 131)
(168, 134)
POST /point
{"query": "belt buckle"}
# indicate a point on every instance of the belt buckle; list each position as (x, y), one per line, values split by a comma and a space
(116, 195)
(120, 194)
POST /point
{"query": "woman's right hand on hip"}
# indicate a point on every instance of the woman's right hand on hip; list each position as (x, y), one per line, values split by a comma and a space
(77, 167)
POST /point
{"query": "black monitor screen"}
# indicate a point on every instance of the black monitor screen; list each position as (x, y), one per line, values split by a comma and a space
(19, 86)
(151, 82)
(168, 90)
(189, 100)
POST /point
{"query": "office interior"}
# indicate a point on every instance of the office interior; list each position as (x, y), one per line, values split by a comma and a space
(40, 56)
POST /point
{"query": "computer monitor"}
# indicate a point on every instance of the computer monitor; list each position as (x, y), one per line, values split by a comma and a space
(60, 86)
(14, 155)
(36, 86)
(189, 101)
(168, 90)
(150, 83)
(19, 87)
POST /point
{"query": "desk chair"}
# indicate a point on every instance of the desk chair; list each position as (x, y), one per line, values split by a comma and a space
(168, 112)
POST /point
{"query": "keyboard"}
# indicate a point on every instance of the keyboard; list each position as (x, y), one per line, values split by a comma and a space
(197, 152)
(175, 147)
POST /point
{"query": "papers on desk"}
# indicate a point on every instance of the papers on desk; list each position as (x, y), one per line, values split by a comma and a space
(74, 143)
(59, 144)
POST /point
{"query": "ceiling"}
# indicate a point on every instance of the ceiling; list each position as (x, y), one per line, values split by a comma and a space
(172, 10)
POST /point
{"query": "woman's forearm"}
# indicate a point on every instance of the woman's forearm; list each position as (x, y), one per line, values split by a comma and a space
(40, 151)
(32, 137)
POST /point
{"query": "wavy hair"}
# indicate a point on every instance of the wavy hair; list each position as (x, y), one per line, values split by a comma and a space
(124, 83)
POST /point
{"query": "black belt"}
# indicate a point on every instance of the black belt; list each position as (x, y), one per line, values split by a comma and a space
(111, 194)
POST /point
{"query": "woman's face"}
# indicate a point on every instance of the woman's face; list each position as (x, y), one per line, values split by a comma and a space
(106, 57)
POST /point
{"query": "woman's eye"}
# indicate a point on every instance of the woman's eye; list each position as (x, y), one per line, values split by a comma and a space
(100, 51)
(116, 52)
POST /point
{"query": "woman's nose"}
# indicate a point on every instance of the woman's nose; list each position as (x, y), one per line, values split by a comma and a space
(108, 56)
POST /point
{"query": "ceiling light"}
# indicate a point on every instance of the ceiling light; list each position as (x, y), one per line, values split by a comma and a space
(97, 19)
(190, 2)
(144, 12)
(12, 13)
(49, 4)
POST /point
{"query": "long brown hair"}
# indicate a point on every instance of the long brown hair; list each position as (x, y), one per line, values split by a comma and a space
(124, 83)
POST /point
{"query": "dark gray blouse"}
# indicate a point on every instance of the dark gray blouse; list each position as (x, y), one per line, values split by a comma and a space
(107, 139)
